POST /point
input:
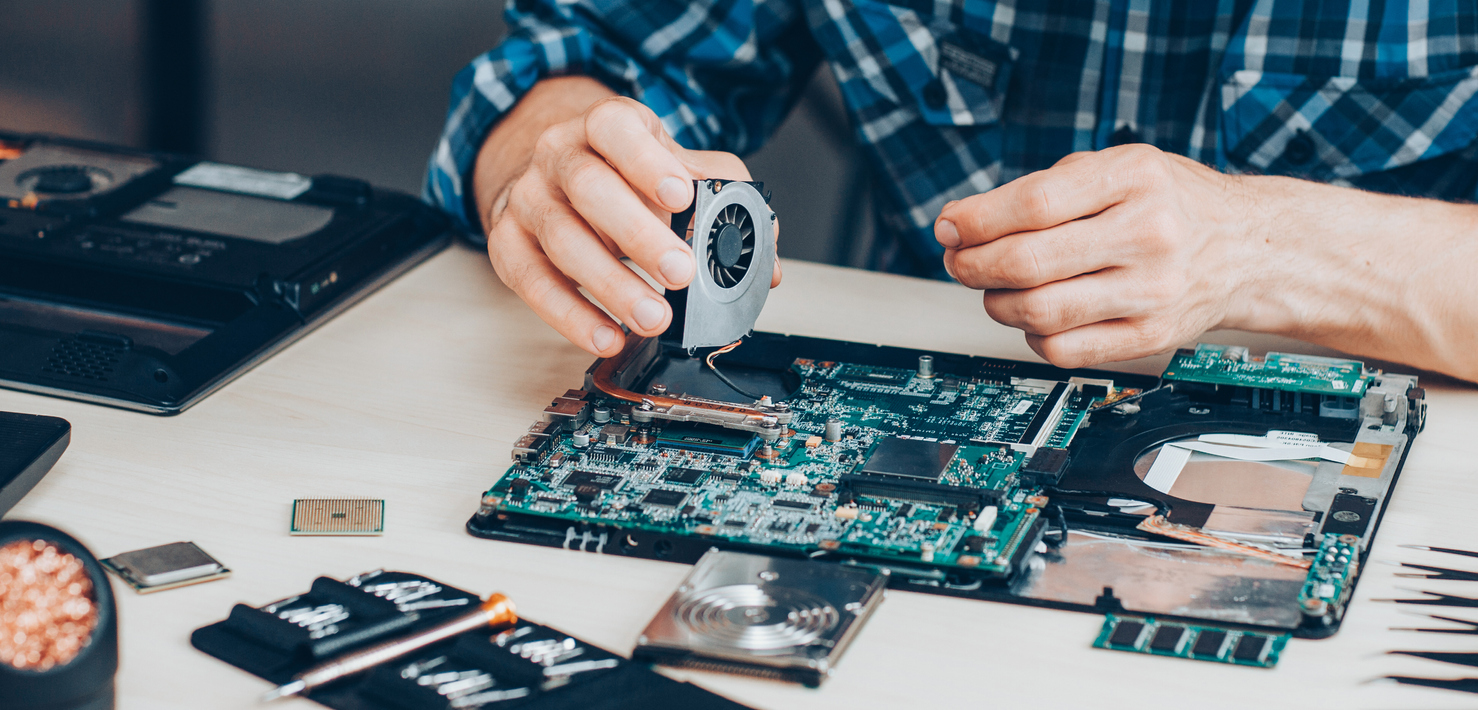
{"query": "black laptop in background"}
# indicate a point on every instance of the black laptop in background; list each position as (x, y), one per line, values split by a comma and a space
(148, 280)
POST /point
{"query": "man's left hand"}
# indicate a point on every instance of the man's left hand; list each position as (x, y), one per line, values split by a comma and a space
(1107, 256)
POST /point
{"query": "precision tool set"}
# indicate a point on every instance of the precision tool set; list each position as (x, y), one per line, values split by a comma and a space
(1463, 627)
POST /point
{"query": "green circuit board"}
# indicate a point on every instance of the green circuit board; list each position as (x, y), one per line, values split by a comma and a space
(1234, 366)
(920, 469)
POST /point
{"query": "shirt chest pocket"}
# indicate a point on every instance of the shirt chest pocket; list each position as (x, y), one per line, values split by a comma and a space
(1340, 128)
(949, 74)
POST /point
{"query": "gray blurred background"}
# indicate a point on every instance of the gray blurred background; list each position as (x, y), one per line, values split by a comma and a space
(354, 87)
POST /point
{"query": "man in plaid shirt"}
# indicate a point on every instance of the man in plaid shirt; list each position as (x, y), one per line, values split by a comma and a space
(1117, 176)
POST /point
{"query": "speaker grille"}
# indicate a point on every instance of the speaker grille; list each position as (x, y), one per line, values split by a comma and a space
(86, 360)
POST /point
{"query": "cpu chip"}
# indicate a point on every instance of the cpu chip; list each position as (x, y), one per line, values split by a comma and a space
(165, 567)
(338, 516)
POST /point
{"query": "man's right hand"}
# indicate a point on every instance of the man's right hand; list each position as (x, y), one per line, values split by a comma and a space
(566, 191)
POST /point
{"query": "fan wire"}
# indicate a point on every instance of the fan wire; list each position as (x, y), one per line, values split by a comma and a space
(713, 355)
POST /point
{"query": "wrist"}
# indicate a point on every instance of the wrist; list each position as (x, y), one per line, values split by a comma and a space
(1254, 230)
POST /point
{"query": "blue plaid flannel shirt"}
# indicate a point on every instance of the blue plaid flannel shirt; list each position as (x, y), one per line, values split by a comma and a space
(950, 98)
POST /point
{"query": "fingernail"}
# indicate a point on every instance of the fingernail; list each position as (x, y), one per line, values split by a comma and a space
(604, 338)
(648, 313)
(949, 204)
(674, 192)
(676, 266)
(945, 232)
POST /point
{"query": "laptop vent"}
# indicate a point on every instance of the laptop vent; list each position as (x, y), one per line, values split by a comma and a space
(87, 360)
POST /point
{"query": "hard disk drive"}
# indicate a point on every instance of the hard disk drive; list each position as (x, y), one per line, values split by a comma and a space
(765, 616)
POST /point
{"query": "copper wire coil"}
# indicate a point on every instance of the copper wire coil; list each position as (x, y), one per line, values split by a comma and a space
(48, 607)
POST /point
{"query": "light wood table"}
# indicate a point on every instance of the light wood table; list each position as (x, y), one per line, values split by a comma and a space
(415, 396)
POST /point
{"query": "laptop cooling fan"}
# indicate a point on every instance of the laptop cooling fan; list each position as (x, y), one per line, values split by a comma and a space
(732, 232)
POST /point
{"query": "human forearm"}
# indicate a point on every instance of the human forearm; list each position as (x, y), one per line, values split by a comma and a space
(1130, 251)
(1370, 274)
(506, 152)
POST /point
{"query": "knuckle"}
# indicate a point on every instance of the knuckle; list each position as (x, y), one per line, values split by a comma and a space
(967, 269)
(1036, 204)
(605, 111)
(1038, 314)
(516, 275)
(552, 140)
(1020, 267)
(1058, 352)
(584, 175)
(1149, 164)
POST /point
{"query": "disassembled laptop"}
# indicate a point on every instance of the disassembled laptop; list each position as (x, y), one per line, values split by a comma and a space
(1232, 498)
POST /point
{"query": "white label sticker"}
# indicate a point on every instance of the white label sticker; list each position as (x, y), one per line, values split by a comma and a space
(247, 181)
(1021, 407)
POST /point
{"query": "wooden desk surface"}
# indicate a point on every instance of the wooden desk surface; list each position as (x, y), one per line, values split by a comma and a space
(415, 396)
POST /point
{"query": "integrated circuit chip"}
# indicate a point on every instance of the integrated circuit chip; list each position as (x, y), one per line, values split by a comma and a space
(165, 567)
(912, 469)
(684, 475)
(708, 439)
(603, 481)
(1209, 644)
(1251, 649)
(664, 497)
(1127, 634)
(1168, 639)
(338, 516)
(910, 458)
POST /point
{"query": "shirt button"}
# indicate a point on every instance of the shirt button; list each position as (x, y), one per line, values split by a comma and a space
(934, 95)
(1124, 136)
(1300, 149)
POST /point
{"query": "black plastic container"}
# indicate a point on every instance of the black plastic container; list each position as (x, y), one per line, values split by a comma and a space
(86, 681)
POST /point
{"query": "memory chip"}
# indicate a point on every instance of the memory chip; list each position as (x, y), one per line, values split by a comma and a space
(1251, 648)
(1127, 633)
(165, 567)
(1168, 639)
(796, 504)
(1209, 644)
(338, 516)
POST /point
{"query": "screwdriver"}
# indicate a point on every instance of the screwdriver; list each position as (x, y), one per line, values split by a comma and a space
(496, 612)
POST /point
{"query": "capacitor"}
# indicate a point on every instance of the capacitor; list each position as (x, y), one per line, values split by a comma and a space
(601, 415)
(833, 429)
(581, 439)
(926, 366)
(926, 552)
